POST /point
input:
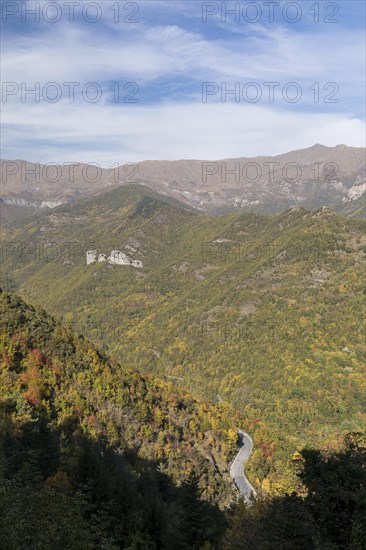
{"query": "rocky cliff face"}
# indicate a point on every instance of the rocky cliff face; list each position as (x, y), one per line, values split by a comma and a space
(116, 257)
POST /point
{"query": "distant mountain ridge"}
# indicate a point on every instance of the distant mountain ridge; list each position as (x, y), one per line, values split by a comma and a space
(312, 177)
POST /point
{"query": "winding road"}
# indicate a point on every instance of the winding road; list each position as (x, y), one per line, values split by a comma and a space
(237, 467)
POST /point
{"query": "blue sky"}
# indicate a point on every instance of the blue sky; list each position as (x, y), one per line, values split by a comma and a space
(161, 55)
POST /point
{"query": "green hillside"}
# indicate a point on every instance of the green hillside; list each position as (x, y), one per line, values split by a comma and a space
(264, 312)
(95, 456)
(107, 458)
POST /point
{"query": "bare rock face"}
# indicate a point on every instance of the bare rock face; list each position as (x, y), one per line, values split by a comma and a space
(50, 204)
(116, 257)
(355, 192)
(137, 263)
(91, 257)
(119, 258)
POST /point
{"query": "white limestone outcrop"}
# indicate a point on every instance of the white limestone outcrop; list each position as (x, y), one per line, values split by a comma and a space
(355, 192)
(116, 257)
(119, 258)
(91, 257)
(137, 263)
(50, 204)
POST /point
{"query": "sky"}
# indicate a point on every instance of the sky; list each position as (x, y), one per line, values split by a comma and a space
(111, 81)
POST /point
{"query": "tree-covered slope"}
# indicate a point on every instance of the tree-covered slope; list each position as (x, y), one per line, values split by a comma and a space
(262, 311)
(93, 455)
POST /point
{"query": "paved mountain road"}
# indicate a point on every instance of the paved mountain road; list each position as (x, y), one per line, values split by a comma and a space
(237, 467)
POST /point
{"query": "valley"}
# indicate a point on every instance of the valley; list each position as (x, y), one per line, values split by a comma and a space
(264, 311)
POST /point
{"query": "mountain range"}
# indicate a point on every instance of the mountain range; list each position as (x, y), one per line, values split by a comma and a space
(312, 177)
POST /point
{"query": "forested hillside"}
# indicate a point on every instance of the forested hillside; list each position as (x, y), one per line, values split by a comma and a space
(93, 455)
(265, 312)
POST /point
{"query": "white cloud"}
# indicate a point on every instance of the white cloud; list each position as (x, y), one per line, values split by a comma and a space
(69, 52)
(146, 52)
(104, 134)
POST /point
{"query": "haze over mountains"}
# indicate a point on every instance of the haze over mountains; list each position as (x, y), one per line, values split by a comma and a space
(312, 177)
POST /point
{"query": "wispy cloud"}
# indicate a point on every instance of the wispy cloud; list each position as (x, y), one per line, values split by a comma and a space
(169, 53)
(170, 130)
